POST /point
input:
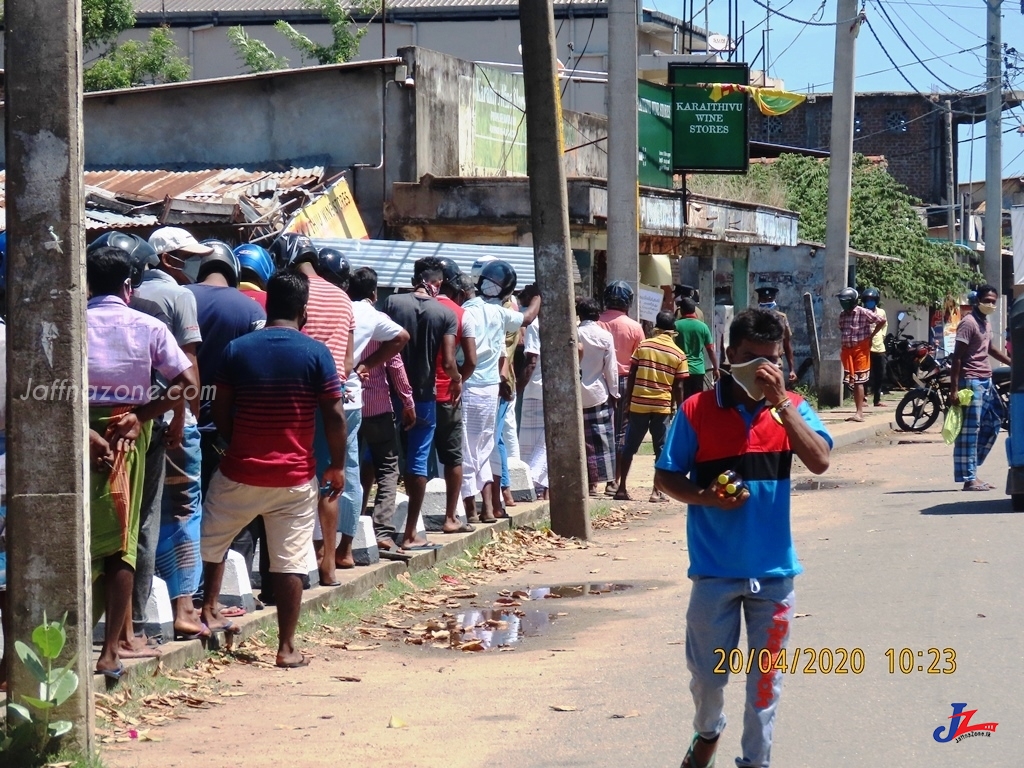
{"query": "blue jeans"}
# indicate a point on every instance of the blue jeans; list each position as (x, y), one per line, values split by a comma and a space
(499, 439)
(713, 623)
(177, 553)
(352, 496)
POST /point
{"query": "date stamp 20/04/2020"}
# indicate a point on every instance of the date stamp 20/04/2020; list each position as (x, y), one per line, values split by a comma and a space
(836, 661)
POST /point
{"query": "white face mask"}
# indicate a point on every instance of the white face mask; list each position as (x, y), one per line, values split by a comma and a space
(986, 309)
(767, 305)
(745, 374)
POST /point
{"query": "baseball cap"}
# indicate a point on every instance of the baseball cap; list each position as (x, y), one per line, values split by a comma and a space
(167, 239)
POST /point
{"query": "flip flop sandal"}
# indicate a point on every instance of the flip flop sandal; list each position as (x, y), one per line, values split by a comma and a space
(232, 612)
(327, 584)
(978, 487)
(688, 758)
(465, 528)
(202, 634)
(295, 664)
(230, 628)
(390, 554)
(113, 674)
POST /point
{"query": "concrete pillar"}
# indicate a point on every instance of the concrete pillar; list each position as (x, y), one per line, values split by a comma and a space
(47, 507)
(623, 243)
(741, 281)
(706, 286)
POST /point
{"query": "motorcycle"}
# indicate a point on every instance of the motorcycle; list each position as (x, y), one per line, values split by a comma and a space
(921, 406)
(904, 355)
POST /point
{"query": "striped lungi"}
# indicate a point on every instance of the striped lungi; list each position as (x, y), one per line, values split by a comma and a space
(479, 418)
(532, 444)
(599, 439)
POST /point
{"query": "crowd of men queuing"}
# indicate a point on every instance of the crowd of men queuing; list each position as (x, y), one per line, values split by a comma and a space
(249, 395)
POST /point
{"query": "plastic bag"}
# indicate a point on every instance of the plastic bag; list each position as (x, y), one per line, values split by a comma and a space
(954, 420)
(952, 424)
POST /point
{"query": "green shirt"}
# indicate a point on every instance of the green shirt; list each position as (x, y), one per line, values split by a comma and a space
(692, 336)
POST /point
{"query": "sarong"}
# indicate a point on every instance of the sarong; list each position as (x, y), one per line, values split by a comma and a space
(479, 418)
(115, 497)
(532, 442)
(599, 439)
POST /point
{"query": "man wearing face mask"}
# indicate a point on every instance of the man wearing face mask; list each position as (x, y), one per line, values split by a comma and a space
(742, 556)
(972, 370)
(858, 327)
(766, 295)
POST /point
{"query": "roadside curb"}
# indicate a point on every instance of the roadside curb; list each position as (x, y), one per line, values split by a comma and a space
(180, 653)
(861, 433)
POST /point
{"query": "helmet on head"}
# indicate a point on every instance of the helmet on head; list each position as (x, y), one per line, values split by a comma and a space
(478, 266)
(497, 280)
(848, 297)
(450, 271)
(222, 260)
(141, 253)
(618, 295)
(292, 248)
(257, 261)
(972, 298)
(333, 267)
(870, 294)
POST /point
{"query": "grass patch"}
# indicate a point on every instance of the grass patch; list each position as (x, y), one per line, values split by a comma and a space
(72, 758)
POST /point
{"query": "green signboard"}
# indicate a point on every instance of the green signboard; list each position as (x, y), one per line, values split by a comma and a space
(708, 136)
(654, 129)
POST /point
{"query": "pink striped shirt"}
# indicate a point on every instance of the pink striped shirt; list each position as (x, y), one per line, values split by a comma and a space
(330, 319)
(377, 387)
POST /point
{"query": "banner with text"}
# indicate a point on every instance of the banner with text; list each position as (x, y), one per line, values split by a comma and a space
(708, 135)
(654, 129)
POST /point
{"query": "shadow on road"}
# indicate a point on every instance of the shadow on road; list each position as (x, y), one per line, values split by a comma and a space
(930, 490)
(995, 506)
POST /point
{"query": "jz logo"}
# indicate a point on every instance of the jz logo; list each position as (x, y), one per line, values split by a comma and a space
(960, 727)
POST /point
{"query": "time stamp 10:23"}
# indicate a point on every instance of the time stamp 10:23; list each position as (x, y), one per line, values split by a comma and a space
(835, 661)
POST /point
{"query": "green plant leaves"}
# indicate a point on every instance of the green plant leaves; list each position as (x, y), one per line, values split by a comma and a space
(30, 660)
(63, 687)
(59, 728)
(20, 711)
(49, 638)
(37, 703)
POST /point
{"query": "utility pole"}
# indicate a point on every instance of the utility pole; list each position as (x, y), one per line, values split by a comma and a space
(993, 262)
(950, 186)
(837, 222)
(623, 241)
(47, 477)
(552, 252)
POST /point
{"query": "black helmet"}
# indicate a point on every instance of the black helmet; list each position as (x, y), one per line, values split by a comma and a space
(449, 271)
(141, 253)
(292, 248)
(333, 267)
(618, 295)
(870, 293)
(497, 280)
(848, 297)
(222, 260)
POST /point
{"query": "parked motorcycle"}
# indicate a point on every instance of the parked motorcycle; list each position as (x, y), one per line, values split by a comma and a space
(921, 406)
(904, 355)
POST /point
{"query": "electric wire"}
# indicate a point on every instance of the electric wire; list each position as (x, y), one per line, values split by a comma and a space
(808, 22)
(924, 45)
(909, 47)
(893, 68)
(803, 28)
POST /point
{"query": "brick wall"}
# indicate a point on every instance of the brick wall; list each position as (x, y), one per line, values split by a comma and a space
(915, 154)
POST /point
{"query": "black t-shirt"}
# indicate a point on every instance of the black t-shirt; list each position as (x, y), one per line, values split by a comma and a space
(428, 322)
(224, 315)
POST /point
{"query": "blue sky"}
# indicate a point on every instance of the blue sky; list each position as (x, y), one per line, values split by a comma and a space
(939, 31)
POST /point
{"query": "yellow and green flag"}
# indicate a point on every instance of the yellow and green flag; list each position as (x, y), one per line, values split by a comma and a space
(770, 101)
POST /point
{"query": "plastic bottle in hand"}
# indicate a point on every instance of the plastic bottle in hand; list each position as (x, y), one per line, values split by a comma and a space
(729, 484)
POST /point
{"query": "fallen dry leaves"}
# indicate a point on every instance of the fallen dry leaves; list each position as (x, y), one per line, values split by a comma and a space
(618, 518)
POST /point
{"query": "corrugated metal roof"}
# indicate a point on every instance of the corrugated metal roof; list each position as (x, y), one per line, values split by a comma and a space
(144, 188)
(393, 260)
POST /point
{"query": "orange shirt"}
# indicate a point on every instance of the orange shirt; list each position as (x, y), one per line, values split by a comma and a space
(627, 334)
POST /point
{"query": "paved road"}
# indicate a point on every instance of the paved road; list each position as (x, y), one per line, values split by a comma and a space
(895, 556)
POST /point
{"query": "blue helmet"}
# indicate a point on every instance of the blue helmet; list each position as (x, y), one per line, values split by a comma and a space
(618, 295)
(257, 261)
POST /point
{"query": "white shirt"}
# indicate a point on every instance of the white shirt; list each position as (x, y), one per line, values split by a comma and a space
(370, 325)
(599, 372)
(534, 389)
(491, 322)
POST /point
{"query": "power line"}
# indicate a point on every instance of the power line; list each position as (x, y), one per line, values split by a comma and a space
(925, 46)
(807, 22)
(913, 7)
(821, 9)
(910, 48)
(895, 67)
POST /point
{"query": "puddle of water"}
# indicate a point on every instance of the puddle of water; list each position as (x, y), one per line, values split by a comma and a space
(497, 629)
(816, 485)
(576, 590)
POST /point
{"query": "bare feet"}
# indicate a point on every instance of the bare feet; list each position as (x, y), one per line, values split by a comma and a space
(342, 557)
(506, 496)
(217, 623)
(388, 545)
(131, 651)
(414, 542)
(657, 497)
(455, 526)
(292, 660)
(856, 417)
